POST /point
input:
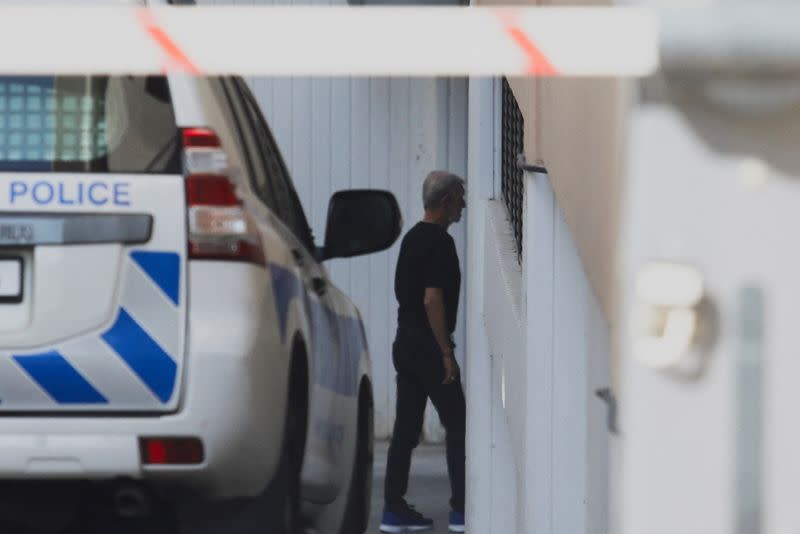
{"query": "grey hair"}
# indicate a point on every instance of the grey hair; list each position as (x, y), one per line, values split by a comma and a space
(437, 185)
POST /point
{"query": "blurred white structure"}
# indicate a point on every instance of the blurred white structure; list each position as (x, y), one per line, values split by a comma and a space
(711, 173)
(685, 182)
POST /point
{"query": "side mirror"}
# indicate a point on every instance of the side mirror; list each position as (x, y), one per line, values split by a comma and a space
(359, 222)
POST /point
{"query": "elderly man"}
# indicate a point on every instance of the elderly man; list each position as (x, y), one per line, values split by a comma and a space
(427, 284)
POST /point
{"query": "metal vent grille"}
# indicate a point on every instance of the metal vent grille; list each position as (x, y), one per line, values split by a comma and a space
(513, 128)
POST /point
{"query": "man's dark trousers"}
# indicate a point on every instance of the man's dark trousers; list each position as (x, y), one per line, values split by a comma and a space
(420, 372)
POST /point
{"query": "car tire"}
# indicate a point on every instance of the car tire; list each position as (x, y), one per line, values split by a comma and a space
(287, 481)
(357, 510)
(285, 489)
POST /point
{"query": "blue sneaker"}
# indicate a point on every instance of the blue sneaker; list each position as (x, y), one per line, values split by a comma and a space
(456, 521)
(405, 519)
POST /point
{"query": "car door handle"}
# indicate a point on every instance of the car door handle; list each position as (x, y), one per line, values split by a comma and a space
(298, 257)
(320, 285)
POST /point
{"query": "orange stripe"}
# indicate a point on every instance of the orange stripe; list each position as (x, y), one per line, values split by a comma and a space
(177, 59)
(538, 64)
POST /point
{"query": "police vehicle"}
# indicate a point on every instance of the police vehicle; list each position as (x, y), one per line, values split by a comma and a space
(170, 343)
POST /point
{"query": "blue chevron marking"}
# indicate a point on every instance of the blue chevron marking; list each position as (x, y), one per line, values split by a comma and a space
(164, 268)
(59, 379)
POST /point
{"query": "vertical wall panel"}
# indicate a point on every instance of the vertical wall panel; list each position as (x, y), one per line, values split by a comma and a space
(320, 179)
(570, 359)
(302, 151)
(281, 120)
(379, 328)
(536, 513)
(457, 162)
(360, 280)
(340, 163)
(399, 164)
(599, 446)
(565, 487)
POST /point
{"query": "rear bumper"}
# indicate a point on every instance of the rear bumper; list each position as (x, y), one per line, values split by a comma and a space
(234, 391)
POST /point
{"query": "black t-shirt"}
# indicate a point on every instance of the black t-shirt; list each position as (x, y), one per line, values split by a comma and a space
(427, 258)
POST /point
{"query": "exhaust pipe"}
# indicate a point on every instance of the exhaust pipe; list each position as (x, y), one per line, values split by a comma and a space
(132, 501)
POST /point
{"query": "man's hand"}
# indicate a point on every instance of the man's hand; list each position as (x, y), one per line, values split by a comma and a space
(434, 307)
(451, 370)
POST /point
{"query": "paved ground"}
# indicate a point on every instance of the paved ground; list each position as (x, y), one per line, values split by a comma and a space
(429, 488)
(429, 491)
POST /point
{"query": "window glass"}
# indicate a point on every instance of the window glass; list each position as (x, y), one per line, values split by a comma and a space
(257, 171)
(289, 208)
(87, 124)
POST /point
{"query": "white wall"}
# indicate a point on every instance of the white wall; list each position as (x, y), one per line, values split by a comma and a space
(545, 437)
(486, 483)
(580, 367)
(384, 133)
(567, 441)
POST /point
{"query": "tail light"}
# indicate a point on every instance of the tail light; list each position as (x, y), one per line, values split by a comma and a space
(171, 451)
(219, 227)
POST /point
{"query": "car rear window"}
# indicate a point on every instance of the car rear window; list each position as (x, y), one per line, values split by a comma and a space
(88, 124)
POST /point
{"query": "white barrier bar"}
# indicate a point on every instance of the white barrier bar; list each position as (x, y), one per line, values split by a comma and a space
(329, 40)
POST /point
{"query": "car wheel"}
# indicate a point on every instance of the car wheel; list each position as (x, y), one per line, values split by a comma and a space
(291, 463)
(359, 497)
(286, 488)
(283, 493)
